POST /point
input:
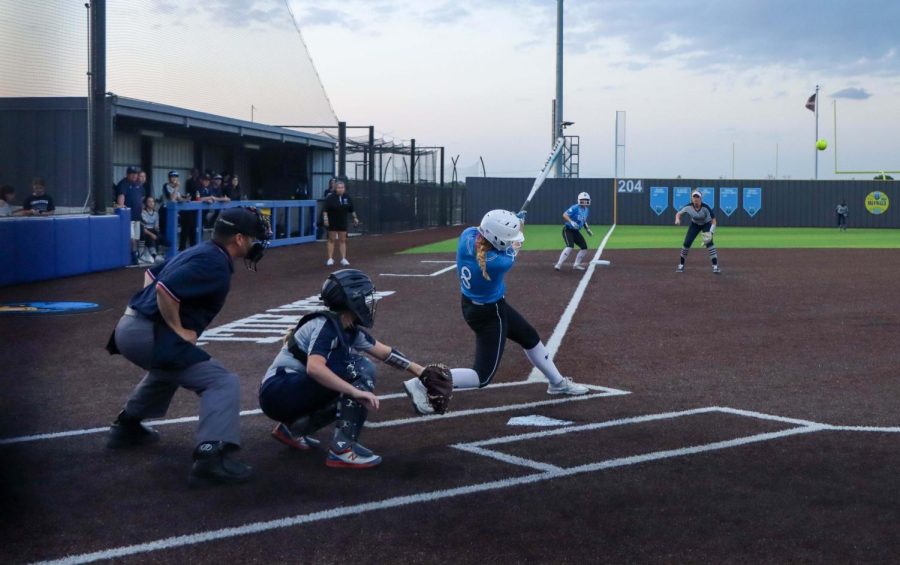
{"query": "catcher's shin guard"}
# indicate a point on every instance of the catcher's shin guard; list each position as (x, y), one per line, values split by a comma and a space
(351, 415)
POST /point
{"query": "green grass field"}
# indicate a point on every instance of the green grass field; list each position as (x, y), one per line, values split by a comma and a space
(543, 238)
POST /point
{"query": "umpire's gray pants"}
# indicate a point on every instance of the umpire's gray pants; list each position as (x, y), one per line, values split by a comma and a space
(217, 387)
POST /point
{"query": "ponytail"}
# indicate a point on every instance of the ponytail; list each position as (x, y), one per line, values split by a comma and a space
(482, 246)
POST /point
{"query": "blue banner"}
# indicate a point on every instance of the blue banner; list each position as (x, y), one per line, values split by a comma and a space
(728, 201)
(659, 199)
(752, 200)
(681, 197)
(709, 196)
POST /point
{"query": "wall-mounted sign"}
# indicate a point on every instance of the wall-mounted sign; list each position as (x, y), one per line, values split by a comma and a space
(659, 199)
(877, 202)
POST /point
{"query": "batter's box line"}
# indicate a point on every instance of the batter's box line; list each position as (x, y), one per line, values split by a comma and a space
(434, 274)
(478, 447)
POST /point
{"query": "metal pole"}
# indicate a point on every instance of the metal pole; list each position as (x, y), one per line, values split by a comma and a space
(371, 153)
(816, 149)
(412, 162)
(732, 159)
(99, 127)
(342, 149)
(559, 80)
(442, 166)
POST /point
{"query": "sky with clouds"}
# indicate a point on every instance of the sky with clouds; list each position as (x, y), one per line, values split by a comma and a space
(710, 88)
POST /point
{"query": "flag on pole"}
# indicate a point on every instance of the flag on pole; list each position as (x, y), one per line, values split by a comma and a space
(811, 103)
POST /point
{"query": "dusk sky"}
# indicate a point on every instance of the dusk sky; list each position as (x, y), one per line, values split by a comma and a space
(478, 77)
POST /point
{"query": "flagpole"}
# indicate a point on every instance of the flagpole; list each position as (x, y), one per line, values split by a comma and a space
(816, 149)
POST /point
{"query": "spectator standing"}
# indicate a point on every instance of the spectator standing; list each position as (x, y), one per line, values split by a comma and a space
(193, 184)
(233, 188)
(142, 180)
(171, 192)
(130, 194)
(39, 203)
(338, 207)
(7, 195)
(842, 211)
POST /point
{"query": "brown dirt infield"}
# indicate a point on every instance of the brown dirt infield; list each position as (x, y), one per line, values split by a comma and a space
(808, 336)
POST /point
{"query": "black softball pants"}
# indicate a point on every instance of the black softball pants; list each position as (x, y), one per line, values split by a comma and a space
(493, 324)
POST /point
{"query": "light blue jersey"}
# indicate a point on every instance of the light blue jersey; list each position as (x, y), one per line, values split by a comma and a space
(577, 214)
(471, 281)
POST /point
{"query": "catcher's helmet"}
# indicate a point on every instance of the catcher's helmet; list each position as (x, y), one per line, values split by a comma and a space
(502, 229)
(352, 290)
(584, 199)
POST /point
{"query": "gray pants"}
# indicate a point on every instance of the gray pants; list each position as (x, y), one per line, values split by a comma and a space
(218, 388)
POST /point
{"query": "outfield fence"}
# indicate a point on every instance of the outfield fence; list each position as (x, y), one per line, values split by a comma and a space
(643, 201)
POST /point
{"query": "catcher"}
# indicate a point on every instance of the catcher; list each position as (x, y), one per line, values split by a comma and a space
(703, 222)
(319, 376)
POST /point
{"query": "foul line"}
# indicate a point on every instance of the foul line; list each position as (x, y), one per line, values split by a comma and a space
(602, 392)
(563, 325)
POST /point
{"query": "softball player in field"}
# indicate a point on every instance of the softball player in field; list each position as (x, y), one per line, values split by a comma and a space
(703, 221)
(483, 257)
(576, 218)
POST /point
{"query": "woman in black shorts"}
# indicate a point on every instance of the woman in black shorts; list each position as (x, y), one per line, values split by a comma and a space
(338, 206)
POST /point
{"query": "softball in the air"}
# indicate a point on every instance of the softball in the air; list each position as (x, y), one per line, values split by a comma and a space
(821, 145)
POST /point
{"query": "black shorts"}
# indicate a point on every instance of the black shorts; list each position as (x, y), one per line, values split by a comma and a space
(573, 238)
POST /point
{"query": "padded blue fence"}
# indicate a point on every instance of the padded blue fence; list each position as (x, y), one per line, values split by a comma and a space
(35, 249)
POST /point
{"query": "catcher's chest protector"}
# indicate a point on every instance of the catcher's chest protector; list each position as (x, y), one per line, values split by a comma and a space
(333, 318)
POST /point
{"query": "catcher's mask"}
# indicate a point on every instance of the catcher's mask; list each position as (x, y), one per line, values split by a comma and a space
(353, 290)
(503, 230)
(584, 199)
(249, 222)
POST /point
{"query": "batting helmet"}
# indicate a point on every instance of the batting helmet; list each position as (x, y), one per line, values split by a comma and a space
(351, 290)
(502, 229)
(584, 199)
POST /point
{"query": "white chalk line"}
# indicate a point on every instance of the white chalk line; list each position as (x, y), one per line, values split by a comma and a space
(434, 274)
(562, 326)
(601, 392)
(549, 472)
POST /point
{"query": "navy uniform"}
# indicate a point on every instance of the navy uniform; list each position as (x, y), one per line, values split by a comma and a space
(703, 220)
(302, 402)
(485, 309)
(198, 281)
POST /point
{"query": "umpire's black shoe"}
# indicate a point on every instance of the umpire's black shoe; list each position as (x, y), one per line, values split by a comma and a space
(213, 466)
(128, 432)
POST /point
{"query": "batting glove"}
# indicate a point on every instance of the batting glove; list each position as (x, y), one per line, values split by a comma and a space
(573, 225)
(521, 215)
(588, 230)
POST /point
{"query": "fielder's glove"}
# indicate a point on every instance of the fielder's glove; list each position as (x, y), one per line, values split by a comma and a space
(706, 237)
(588, 230)
(439, 386)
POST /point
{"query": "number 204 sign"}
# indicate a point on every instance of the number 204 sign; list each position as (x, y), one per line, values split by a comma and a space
(629, 185)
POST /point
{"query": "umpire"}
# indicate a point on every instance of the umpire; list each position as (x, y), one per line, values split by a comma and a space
(159, 334)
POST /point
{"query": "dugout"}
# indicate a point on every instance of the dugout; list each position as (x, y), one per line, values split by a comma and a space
(48, 137)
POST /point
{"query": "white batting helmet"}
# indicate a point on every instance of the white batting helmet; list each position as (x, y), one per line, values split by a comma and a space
(584, 196)
(502, 229)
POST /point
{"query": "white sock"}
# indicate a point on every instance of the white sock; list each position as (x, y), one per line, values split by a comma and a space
(465, 378)
(580, 256)
(540, 358)
(563, 256)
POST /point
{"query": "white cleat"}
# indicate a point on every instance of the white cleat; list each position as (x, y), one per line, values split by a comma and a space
(329, 262)
(578, 267)
(567, 386)
(345, 262)
(556, 266)
(416, 392)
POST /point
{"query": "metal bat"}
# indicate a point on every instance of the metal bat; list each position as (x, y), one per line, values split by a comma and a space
(557, 147)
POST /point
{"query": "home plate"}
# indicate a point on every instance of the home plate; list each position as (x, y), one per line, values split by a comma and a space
(600, 262)
(535, 420)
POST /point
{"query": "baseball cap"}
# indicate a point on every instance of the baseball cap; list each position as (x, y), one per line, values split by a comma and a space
(217, 176)
(696, 193)
(173, 173)
(241, 220)
(132, 170)
(206, 176)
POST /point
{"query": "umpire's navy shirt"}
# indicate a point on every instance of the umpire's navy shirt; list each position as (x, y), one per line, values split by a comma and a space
(198, 279)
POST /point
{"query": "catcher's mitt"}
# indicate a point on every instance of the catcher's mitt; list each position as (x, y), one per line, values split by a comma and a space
(706, 236)
(439, 386)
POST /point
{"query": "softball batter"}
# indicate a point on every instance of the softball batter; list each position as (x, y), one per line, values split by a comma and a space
(483, 257)
(703, 221)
